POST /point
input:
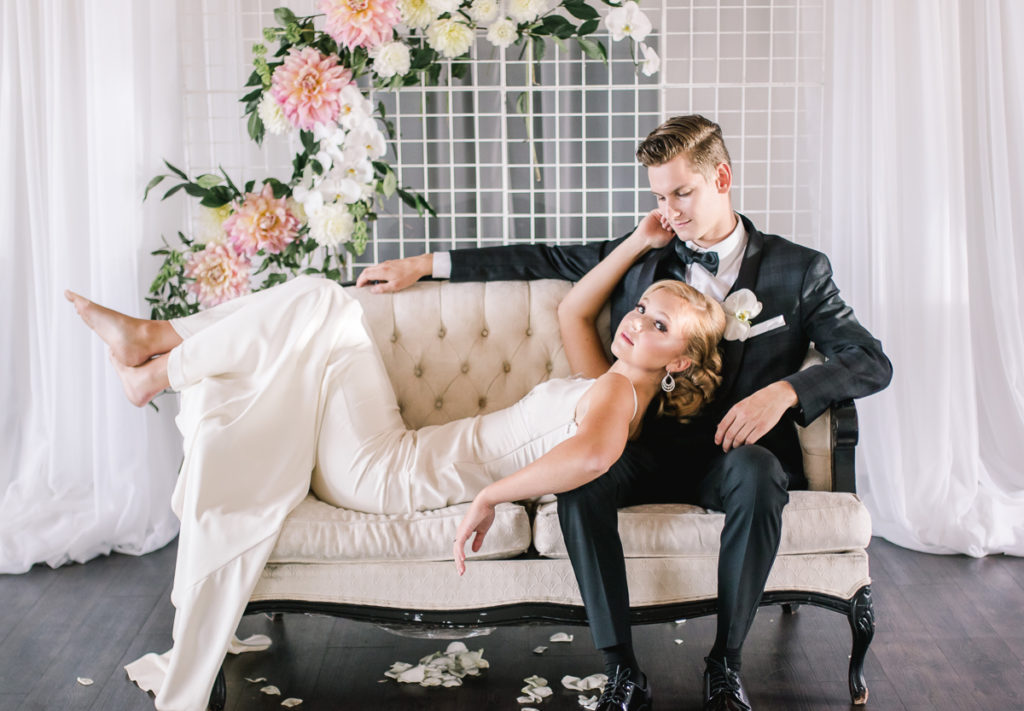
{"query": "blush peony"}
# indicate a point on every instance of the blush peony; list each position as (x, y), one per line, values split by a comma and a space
(220, 274)
(307, 87)
(261, 222)
(360, 23)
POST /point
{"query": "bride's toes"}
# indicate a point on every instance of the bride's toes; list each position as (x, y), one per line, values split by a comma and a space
(121, 333)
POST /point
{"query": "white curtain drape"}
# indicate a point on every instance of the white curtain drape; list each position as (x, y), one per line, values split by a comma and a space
(924, 215)
(89, 103)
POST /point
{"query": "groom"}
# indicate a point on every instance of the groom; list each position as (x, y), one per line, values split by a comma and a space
(741, 456)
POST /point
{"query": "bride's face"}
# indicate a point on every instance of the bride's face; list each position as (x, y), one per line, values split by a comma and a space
(653, 335)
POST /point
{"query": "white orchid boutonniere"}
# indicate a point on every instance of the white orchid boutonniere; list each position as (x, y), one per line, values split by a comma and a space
(741, 307)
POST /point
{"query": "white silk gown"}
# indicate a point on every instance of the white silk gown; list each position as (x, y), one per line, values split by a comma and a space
(281, 391)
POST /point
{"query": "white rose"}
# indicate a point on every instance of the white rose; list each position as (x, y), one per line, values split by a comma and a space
(628, 21)
(483, 11)
(442, 6)
(526, 10)
(652, 62)
(210, 224)
(272, 115)
(450, 38)
(416, 14)
(390, 58)
(502, 33)
(331, 225)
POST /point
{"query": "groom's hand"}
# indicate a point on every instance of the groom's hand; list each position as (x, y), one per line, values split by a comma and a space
(754, 416)
(396, 274)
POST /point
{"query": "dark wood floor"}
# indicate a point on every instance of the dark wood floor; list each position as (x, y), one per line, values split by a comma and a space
(950, 636)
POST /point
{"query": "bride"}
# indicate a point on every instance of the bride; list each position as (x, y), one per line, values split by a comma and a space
(283, 391)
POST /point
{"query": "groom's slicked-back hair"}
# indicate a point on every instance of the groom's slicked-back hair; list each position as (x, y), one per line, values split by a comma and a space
(699, 139)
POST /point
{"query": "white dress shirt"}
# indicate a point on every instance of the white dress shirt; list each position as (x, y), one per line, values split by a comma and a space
(730, 256)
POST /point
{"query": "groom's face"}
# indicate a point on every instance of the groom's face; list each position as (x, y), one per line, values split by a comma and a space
(697, 207)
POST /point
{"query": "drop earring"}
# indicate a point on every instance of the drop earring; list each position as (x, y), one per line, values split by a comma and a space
(668, 383)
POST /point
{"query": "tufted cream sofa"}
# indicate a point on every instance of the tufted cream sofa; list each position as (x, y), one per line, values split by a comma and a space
(454, 350)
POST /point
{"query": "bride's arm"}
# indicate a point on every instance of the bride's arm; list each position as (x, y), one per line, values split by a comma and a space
(597, 444)
(578, 311)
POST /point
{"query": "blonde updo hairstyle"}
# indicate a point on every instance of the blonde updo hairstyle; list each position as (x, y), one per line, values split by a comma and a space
(705, 324)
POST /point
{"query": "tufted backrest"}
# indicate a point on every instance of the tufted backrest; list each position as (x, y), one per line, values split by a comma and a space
(460, 349)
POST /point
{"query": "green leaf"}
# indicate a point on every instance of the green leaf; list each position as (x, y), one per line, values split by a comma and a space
(521, 102)
(581, 11)
(422, 58)
(308, 142)
(433, 74)
(256, 130)
(176, 171)
(250, 185)
(208, 180)
(284, 16)
(587, 28)
(594, 50)
(539, 47)
(195, 190)
(252, 95)
(173, 190)
(275, 279)
(460, 69)
(389, 184)
(228, 179)
(279, 189)
(556, 25)
(152, 184)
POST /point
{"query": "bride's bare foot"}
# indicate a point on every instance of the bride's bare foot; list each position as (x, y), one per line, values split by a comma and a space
(144, 382)
(132, 341)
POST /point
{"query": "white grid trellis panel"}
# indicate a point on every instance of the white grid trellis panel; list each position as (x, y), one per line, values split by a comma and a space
(757, 68)
(569, 174)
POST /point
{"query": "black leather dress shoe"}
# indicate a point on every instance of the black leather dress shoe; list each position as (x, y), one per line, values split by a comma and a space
(723, 690)
(622, 693)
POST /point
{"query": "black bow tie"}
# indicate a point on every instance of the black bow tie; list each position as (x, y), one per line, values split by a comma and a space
(708, 260)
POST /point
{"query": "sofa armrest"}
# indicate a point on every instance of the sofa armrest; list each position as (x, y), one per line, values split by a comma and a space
(844, 440)
(829, 443)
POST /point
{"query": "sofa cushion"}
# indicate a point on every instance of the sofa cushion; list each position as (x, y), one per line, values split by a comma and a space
(316, 532)
(812, 522)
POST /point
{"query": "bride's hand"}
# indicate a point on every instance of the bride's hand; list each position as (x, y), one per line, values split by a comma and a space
(655, 230)
(477, 520)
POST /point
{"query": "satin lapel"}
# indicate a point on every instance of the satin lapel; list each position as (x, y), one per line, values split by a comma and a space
(732, 351)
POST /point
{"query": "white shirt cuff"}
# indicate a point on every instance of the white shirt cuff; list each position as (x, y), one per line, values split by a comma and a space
(442, 267)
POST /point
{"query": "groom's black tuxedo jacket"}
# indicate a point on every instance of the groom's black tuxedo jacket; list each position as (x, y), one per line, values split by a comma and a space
(788, 279)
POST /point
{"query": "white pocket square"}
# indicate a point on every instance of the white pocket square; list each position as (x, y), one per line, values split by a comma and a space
(772, 324)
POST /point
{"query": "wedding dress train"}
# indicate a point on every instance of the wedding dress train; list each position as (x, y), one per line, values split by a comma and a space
(281, 391)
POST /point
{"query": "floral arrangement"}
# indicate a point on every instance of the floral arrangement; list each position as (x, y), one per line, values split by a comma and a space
(315, 87)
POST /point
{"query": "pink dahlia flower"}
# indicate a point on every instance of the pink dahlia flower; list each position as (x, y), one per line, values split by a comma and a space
(307, 86)
(360, 23)
(220, 274)
(261, 222)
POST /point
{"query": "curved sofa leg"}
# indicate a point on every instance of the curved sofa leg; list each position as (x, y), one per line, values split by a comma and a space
(862, 624)
(219, 693)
